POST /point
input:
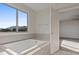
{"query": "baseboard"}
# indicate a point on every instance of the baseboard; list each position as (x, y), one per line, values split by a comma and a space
(68, 38)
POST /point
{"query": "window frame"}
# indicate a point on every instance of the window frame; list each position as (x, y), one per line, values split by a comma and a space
(17, 9)
(18, 19)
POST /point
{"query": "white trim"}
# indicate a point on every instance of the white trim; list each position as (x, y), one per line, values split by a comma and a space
(16, 20)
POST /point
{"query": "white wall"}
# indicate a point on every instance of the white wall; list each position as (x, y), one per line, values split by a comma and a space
(69, 29)
(43, 24)
(43, 21)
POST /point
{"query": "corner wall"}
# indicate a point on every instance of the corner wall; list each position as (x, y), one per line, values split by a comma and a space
(43, 24)
(47, 27)
(54, 37)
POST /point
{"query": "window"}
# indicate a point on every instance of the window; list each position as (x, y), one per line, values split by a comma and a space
(7, 18)
(22, 21)
(9, 21)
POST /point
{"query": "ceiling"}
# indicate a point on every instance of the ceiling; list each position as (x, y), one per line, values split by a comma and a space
(41, 6)
(38, 6)
(69, 10)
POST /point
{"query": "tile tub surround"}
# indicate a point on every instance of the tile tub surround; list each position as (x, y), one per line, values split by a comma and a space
(42, 36)
(14, 37)
(4, 39)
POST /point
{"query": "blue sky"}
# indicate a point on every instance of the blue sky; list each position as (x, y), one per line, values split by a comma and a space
(8, 17)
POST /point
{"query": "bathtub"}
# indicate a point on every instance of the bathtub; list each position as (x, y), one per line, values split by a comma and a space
(26, 47)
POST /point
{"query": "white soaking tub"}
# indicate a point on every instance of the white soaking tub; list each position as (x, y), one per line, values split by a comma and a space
(25, 47)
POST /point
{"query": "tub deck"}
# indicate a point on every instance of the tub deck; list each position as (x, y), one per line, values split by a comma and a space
(22, 47)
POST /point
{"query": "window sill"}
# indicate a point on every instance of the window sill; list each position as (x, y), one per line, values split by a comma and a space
(12, 33)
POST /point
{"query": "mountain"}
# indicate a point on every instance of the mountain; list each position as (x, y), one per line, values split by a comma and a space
(13, 28)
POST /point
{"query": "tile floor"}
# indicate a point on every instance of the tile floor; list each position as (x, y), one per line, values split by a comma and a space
(65, 52)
